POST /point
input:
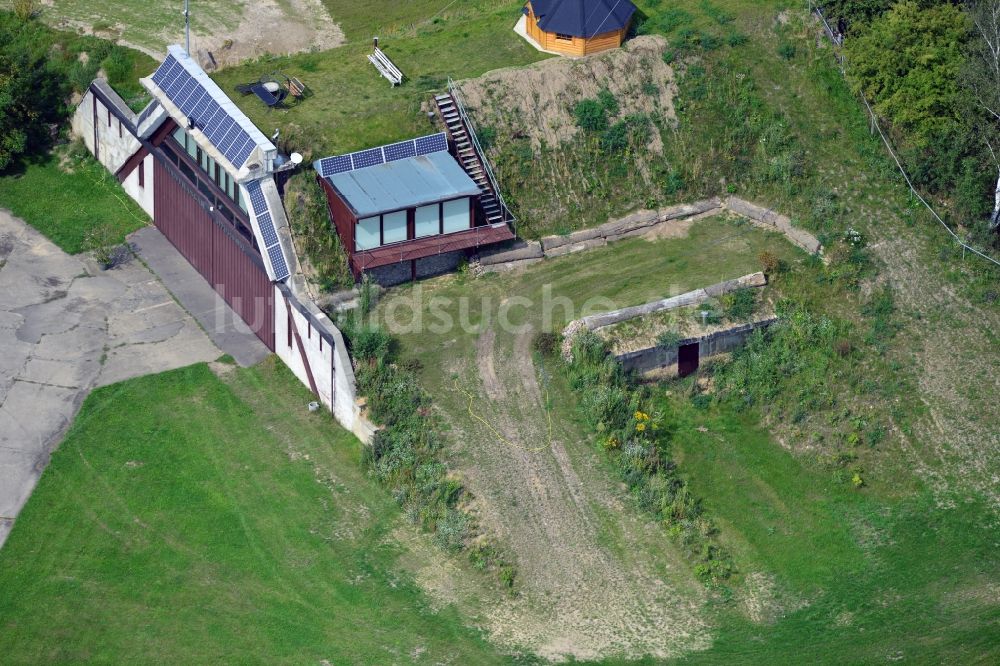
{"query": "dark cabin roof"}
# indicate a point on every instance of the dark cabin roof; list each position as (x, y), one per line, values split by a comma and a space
(582, 18)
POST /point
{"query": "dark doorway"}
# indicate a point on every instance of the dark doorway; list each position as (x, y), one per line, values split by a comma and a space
(687, 359)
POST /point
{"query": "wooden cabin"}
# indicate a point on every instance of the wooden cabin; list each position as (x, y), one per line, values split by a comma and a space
(406, 210)
(578, 27)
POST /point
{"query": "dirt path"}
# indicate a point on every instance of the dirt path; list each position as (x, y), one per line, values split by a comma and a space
(595, 580)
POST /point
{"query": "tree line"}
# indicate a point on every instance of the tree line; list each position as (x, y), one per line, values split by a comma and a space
(40, 70)
(932, 69)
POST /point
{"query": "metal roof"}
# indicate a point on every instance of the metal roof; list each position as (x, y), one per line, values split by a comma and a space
(582, 18)
(405, 183)
(181, 82)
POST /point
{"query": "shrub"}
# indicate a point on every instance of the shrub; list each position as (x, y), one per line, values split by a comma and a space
(371, 343)
(545, 343)
(315, 235)
(25, 9)
(487, 137)
(403, 454)
(413, 365)
(786, 50)
(769, 263)
(590, 115)
(736, 39)
(452, 530)
(366, 294)
(740, 304)
(609, 401)
(608, 101)
(104, 242)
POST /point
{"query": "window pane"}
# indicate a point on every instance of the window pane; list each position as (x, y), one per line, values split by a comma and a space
(170, 155)
(239, 199)
(366, 234)
(187, 171)
(179, 136)
(456, 215)
(427, 221)
(192, 148)
(394, 227)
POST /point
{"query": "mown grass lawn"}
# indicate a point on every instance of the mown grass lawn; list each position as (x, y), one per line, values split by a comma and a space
(188, 519)
(66, 194)
(845, 575)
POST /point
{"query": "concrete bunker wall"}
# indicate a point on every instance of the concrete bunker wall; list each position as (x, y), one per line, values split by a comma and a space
(719, 342)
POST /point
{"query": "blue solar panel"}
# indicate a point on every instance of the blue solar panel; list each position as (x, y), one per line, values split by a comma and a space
(194, 98)
(163, 72)
(205, 118)
(431, 144)
(218, 130)
(367, 158)
(186, 89)
(226, 142)
(267, 231)
(195, 104)
(332, 165)
(257, 199)
(277, 262)
(400, 151)
(172, 85)
(241, 153)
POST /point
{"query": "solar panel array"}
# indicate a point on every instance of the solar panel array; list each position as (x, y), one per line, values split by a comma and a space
(190, 96)
(267, 231)
(423, 145)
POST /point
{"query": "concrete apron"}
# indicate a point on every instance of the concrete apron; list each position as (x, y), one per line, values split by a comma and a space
(66, 326)
(195, 295)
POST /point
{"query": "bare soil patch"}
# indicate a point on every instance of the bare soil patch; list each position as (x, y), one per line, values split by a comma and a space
(232, 30)
(537, 101)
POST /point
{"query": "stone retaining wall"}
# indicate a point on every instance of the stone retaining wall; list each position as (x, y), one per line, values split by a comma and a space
(524, 253)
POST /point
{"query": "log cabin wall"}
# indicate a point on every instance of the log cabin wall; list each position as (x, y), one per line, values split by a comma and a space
(576, 46)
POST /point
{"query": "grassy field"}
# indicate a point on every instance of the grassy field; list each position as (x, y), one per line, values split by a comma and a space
(542, 488)
(192, 519)
(148, 25)
(352, 106)
(67, 193)
(833, 575)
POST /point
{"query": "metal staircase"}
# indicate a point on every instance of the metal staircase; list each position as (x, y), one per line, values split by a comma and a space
(472, 157)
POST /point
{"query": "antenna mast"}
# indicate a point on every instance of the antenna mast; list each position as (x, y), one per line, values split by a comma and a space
(187, 27)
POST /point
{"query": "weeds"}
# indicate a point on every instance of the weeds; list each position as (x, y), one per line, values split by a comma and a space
(638, 442)
(404, 452)
(315, 236)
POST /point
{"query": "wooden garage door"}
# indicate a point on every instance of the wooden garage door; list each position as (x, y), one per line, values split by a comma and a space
(215, 252)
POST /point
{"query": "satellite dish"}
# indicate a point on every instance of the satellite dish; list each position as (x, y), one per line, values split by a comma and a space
(296, 158)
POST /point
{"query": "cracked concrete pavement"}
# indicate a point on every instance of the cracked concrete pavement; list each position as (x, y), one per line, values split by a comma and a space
(66, 327)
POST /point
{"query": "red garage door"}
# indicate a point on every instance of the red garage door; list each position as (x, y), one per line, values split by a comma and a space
(216, 251)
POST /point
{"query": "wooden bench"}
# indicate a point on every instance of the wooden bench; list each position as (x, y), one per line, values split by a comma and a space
(385, 67)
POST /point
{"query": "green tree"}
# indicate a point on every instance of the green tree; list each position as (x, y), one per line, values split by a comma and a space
(908, 63)
(981, 77)
(31, 93)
